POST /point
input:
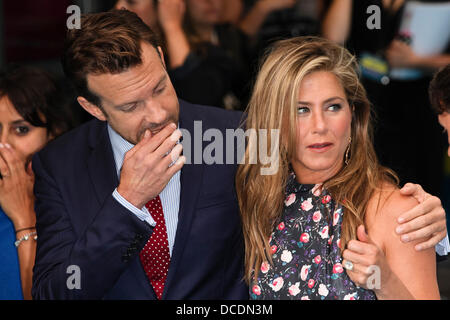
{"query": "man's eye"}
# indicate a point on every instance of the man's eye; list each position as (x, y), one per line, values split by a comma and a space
(160, 90)
(129, 108)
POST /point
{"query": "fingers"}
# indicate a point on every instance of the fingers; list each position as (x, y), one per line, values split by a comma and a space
(355, 258)
(4, 170)
(432, 242)
(362, 235)
(149, 144)
(408, 189)
(423, 226)
(359, 247)
(415, 190)
(169, 144)
(425, 207)
(364, 258)
(176, 166)
(11, 160)
(175, 153)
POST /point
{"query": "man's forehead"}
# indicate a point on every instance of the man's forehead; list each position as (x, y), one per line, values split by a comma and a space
(143, 77)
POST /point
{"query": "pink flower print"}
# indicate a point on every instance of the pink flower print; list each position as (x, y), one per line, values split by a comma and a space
(317, 216)
(317, 190)
(305, 298)
(265, 267)
(274, 249)
(294, 289)
(281, 226)
(324, 232)
(326, 199)
(337, 268)
(304, 272)
(290, 200)
(304, 238)
(277, 284)
(350, 296)
(336, 216)
(311, 283)
(307, 205)
(256, 290)
(286, 256)
(323, 290)
(339, 243)
(331, 239)
(317, 259)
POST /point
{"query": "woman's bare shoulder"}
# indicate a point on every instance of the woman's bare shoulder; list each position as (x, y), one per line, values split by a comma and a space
(384, 208)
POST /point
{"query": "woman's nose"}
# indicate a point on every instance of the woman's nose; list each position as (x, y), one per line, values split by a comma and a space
(318, 122)
(4, 138)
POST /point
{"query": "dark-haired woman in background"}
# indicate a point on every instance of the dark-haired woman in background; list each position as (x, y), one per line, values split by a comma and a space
(32, 112)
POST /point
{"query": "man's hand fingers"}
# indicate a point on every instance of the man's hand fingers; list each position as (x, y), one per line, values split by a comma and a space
(149, 143)
(415, 190)
(419, 210)
(156, 140)
(436, 218)
(176, 166)
(168, 144)
(174, 155)
(432, 242)
(422, 233)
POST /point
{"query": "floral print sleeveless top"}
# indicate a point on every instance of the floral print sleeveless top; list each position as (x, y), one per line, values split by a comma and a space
(305, 244)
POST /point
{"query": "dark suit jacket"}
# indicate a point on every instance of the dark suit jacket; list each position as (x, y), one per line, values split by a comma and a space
(79, 223)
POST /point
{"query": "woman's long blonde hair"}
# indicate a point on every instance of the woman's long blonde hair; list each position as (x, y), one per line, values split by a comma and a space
(273, 105)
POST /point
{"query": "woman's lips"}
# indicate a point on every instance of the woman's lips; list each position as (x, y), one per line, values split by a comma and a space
(320, 147)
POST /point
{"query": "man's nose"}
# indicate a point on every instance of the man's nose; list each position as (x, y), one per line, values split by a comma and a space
(156, 113)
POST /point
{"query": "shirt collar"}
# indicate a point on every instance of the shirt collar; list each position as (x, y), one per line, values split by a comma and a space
(120, 147)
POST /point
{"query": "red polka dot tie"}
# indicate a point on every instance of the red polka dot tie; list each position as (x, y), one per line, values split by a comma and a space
(155, 256)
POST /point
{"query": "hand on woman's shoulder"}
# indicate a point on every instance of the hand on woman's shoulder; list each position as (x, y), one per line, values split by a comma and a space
(416, 269)
(384, 208)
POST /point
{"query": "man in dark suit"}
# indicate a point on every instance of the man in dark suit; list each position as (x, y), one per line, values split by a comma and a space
(120, 215)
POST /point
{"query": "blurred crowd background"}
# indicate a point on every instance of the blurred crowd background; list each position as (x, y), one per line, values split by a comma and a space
(212, 49)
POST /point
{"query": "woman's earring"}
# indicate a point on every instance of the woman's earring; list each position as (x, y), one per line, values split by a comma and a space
(347, 151)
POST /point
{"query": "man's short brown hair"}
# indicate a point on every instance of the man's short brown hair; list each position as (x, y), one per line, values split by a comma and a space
(107, 42)
(439, 91)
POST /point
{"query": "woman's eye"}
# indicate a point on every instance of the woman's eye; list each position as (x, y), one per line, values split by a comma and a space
(335, 107)
(302, 110)
(22, 130)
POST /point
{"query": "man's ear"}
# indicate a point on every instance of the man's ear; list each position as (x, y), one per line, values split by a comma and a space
(161, 54)
(91, 108)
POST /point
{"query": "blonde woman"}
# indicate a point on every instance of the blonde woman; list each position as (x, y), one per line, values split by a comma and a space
(325, 226)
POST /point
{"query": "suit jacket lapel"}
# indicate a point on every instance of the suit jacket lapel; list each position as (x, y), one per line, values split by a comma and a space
(101, 164)
(191, 177)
